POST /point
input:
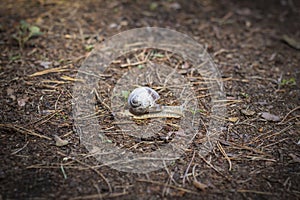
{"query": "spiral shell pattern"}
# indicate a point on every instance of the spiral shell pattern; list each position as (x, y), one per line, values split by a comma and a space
(141, 100)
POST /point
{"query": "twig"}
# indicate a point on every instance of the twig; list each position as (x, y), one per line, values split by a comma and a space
(256, 192)
(279, 132)
(20, 149)
(23, 130)
(276, 142)
(228, 179)
(281, 122)
(133, 64)
(47, 71)
(45, 118)
(188, 168)
(246, 148)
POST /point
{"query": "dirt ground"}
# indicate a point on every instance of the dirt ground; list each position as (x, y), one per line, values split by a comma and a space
(254, 44)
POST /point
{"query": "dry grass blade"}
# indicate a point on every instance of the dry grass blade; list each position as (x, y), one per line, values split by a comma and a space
(46, 118)
(188, 168)
(256, 192)
(209, 164)
(92, 168)
(234, 145)
(281, 122)
(133, 64)
(68, 78)
(225, 155)
(47, 71)
(23, 130)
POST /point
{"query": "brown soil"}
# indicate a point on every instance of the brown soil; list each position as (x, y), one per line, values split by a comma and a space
(250, 42)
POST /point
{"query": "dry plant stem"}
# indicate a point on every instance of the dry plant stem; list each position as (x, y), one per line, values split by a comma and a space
(92, 168)
(225, 155)
(209, 164)
(45, 118)
(298, 107)
(188, 168)
(171, 179)
(256, 192)
(23, 130)
(20, 149)
(52, 70)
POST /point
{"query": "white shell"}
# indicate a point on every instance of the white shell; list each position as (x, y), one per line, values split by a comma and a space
(141, 100)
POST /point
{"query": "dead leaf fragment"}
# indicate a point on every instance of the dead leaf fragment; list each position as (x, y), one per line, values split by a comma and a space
(199, 185)
(270, 117)
(248, 112)
(233, 119)
(60, 142)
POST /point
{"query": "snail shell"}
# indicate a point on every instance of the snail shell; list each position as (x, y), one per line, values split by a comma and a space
(142, 100)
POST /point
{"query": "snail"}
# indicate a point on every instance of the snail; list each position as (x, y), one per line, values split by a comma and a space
(142, 104)
(142, 100)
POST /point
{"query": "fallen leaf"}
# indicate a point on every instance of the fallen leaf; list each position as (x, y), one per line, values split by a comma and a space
(60, 142)
(270, 117)
(248, 112)
(233, 119)
(200, 186)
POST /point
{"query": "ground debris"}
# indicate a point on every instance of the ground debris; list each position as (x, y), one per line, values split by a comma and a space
(270, 117)
(60, 142)
(248, 112)
(200, 185)
(291, 42)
